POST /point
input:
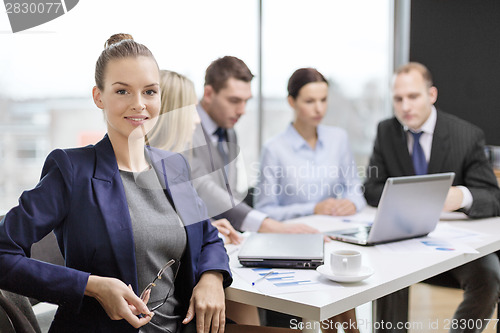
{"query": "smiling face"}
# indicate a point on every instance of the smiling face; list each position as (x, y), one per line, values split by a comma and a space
(412, 99)
(130, 97)
(310, 104)
(227, 105)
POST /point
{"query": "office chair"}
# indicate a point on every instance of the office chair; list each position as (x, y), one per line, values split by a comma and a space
(13, 319)
(17, 309)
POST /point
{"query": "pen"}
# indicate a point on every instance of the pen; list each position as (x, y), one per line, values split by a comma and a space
(356, 221)
(262, 277)
(233, 250)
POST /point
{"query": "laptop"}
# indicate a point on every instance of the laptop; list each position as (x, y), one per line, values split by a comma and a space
(409, 207)
(282, 250)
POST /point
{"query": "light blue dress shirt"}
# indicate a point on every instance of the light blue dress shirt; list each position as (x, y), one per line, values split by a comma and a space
(294, 177)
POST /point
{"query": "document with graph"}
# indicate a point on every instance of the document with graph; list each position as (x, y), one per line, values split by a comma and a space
(272, 281)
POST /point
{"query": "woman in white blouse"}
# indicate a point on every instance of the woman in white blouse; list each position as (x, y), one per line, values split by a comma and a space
(308, 169)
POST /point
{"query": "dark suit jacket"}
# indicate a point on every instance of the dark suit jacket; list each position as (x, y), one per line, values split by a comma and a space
(207, 166)
(457, 146)
(81, 197)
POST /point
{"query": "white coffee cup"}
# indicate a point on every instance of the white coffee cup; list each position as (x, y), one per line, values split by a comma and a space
(345, 262)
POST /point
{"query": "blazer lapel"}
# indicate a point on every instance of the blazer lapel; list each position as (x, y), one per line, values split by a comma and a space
(401, 149)
(173, 174)
(164, 172)
(110, 195)
(440, 147)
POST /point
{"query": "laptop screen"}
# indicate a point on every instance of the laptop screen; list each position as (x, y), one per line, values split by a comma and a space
(409, 207)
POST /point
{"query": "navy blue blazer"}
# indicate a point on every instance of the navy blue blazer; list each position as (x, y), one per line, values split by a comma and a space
(81, 198)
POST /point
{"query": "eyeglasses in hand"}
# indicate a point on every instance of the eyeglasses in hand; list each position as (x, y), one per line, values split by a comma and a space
(158, 277)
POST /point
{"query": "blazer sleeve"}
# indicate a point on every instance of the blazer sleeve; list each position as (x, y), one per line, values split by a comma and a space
(376, 172)
(481, 181)
(213, 256)
(40, 211)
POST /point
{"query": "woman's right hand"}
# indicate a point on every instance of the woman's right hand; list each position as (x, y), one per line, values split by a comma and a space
(118, 300)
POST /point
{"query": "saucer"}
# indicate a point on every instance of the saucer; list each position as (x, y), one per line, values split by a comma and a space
(364, 273)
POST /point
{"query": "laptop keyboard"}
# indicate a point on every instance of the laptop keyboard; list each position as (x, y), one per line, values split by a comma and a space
(360, 233)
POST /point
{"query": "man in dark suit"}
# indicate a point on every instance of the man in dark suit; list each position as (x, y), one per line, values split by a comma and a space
(420, 140)
(226, 92)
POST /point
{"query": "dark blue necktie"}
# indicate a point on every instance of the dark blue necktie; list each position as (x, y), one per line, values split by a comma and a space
(222, 137)
(418, 156)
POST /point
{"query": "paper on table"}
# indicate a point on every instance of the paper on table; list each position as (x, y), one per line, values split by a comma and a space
(445, 230)
(443, 238)
(426, 244)
(283, 281)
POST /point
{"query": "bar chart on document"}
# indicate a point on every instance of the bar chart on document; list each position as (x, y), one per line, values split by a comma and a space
(272, 281)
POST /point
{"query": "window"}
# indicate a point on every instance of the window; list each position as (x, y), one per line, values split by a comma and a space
(349, 42)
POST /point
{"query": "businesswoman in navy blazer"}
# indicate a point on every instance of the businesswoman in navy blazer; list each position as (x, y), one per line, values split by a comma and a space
(114, 230)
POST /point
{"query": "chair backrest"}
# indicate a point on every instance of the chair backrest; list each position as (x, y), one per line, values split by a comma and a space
(17, 321)
(5, 323)
(19, 307)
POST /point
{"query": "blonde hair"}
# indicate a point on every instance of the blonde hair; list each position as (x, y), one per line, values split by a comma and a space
(175, 126)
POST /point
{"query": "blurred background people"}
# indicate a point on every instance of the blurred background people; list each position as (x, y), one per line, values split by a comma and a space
(419, 140)
(226, 92)
(174, 131)
(308, 169)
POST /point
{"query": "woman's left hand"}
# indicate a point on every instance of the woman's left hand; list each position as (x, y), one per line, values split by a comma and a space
(208, 303)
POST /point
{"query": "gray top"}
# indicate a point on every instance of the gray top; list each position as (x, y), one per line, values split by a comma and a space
(159, 236)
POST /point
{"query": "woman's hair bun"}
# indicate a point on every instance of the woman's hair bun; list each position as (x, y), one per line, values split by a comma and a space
(116, 38)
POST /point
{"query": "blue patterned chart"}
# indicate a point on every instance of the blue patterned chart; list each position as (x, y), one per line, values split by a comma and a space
(272, 281)
(281, 279)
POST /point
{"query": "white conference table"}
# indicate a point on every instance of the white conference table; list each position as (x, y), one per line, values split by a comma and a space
(393, 271)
